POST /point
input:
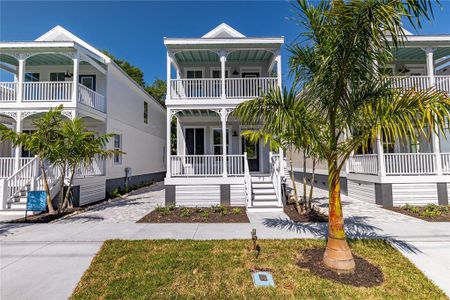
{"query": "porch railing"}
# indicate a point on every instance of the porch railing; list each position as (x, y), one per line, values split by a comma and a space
(205, 165)
(441, 82)
(445, 160)
(196, 88)
(7, 165)
(8, 91)
(91, 98)
(275, 174)
(96, 168)
(249, 87)
(410, 163)
(56, 91)
(363, 164)
(19, 180)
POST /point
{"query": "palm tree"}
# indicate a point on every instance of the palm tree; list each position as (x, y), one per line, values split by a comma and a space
(285, 122)
(338, 68)
(42, 142)
(81, 147)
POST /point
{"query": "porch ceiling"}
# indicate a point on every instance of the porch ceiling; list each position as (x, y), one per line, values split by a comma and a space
(197, 113)
(419, 54)
(43, 59)
(205, 56)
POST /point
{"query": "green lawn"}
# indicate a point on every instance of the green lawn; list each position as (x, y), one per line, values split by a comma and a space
(168, 269)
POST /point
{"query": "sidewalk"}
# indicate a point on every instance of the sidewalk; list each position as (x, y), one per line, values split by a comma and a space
(46, 261)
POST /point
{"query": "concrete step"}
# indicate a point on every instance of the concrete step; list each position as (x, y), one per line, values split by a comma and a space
(265, 209)
(258, 191)
(257, 197)
(262, 185)
(17, 212)
(265, 204)
(261, 179)
(17, 205)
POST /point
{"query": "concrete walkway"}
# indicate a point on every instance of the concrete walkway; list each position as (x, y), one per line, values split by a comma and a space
(46, 261)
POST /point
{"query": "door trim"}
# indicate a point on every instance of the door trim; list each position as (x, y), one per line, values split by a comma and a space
(260, 150)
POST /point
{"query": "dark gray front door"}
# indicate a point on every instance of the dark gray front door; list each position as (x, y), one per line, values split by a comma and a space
(252, 150)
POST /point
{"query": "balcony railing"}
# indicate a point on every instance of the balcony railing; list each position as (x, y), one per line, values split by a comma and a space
(401, 164)
(210, 88)
(205, 165)
(441, 82)
(53, 91)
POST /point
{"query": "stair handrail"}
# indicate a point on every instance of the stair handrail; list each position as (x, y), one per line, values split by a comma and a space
(247, 181)
(19, 180)
(53, 178)
(275, 168)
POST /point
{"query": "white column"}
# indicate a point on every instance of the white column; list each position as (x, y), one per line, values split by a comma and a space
(168, 141)
(21, 79)
(279, 78)
(223, 118)
(76, 72)
(223, 59)
(168, 70)
(18, 149)
(281, 153)
(380, 157)
(435, 137)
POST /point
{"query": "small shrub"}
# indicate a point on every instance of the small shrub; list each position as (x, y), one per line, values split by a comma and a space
(220, 209)
(171, 207)
(163, 210)
(204, 214)
(236, 211)
(431, 210)
(411, 208)
(185, 212)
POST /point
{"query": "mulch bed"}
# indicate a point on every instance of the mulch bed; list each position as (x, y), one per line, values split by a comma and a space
(312, 216)
(196, 215)
(444, 217)
(46, 217)
(365, 274)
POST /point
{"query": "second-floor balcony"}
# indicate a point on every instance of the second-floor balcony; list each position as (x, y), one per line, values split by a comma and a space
(209, 88)
(420, 83)
(54, 91)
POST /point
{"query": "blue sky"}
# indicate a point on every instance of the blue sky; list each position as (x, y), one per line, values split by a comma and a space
(134, 30)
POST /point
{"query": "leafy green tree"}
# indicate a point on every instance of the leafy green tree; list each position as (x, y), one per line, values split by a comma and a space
(337, 68)
(81, 146)
(43, 142)
(158, 90)
(134, 72)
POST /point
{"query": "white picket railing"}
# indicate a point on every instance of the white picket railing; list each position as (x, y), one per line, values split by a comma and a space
(196, 165)
(410, 163)
(363, 164)
(442, 83)
(275, 174)
(235, 165)
(410, 82)
(20, 179)
(8, 91)
(196, 88)
(56, 91)
(97, 168)
(445, 160)
(249, 87)
(91, 98)
(247, 181)
(53, 174)
(7, 165)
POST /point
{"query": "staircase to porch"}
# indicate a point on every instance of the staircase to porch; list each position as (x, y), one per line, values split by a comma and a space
(264, 195)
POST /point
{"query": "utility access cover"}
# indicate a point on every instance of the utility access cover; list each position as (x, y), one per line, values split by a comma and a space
(262, 279)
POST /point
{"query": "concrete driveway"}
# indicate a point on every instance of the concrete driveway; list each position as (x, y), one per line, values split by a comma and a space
(46, 261)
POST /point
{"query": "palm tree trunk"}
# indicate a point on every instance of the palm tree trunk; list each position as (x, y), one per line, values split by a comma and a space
(312, 184)
(297, 205)
(337, 254)
(61, 190)
(69, 188)
(51, 210)
(304, 178)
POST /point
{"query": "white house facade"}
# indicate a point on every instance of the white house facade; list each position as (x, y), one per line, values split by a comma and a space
(59, 68)
(207, 78)
(407, 171)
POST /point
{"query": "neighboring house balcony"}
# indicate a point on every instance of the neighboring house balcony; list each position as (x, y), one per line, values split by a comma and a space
(51, 93)
(420, 83)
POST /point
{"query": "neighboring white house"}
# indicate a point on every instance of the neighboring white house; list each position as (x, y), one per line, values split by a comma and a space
(404, 171)
(60, 68)
(207, 78)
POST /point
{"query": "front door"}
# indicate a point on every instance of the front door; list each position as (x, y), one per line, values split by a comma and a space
(252, 150)
(88, 81)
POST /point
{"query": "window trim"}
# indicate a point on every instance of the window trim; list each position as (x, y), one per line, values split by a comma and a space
(145, 112)
(230, 141)
(194, 69)
(25, 76)
(184, 138)
(94, 78)
(120, 149)
(212, 69)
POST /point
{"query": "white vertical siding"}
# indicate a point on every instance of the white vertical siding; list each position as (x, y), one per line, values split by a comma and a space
(197, 195)
(360, 190)
(414, 194)
(237, 195)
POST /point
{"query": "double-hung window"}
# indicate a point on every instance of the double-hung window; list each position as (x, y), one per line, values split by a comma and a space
(145, 112)
(217, 141)
(117, 146)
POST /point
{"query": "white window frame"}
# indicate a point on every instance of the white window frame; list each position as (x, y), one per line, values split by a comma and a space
(194, 69)
(146, 115)
(250, 70)
(184, 138)
(211, 136)
(212, 69)
(119, 148)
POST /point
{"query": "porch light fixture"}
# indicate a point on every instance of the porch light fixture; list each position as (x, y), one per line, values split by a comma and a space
(68, 74)
(235, 133)
(235, 72)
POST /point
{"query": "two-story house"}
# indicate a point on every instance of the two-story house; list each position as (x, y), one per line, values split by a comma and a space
(411, 171)
(59, 68)
(207, 78)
